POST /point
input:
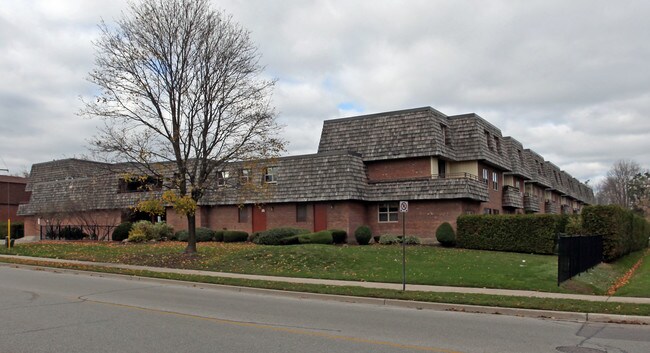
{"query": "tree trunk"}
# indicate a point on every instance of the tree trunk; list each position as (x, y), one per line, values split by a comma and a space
(191, 230)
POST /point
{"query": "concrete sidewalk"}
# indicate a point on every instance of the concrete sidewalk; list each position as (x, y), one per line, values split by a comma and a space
(376, 285)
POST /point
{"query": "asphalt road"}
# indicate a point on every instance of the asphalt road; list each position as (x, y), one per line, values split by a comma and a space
(53, 311)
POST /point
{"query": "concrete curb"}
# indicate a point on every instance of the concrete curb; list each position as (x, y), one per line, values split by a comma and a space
(472, 309)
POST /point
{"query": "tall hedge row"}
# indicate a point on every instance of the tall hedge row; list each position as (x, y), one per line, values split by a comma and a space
(517, 233)
(623, 231)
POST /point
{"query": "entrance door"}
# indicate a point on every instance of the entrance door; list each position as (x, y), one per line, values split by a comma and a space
(320, 217)
(259, 219)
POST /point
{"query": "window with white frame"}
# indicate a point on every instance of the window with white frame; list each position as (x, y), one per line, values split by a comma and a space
(269, 175)
(495, 180)
(222, 177)
(244, 176)
(388, 212)
(485, 175)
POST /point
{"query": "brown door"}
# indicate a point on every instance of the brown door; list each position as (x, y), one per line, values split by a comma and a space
(320, 217)
(259, 219)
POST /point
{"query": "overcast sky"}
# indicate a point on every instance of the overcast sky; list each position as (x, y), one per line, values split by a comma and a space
(569, 79)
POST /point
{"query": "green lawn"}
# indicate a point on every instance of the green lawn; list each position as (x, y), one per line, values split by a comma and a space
(639, 285)
(425, 264)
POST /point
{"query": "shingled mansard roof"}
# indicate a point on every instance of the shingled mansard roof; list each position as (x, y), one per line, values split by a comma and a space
(336, 172)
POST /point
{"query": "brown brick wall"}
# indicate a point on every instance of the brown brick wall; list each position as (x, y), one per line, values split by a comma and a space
(423, 217)
(12, 194)
(284, 215)
(103, 217)
(399, 169)
(496, 196)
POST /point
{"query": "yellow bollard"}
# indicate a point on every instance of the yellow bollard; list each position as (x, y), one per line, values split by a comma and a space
(8, 233)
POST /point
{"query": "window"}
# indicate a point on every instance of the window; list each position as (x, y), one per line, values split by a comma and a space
(495, 180)
(244, 176)
(269, 175)
(301, 212)
(488, 141)
(487, 211)
(495, 211)
(518, 184)
(222, 177)
(497, 143)
(485, 176)
(243, 214)
(445, 135)
(388, 212)
(521, 158)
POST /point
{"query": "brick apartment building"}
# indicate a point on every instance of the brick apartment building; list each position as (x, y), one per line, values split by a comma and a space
(445, 166)
(12, 194)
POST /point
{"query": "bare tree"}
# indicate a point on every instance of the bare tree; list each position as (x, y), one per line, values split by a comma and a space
(181, 83)
(615, 189)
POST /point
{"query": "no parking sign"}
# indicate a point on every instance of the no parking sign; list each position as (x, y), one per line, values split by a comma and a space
(403, 206)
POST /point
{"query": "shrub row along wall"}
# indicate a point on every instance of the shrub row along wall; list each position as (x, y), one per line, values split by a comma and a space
(517, 233)
(17, 230)
(623, 231)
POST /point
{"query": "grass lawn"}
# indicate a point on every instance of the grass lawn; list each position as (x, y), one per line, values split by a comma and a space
(425, 264)
(599, 279)
(639, 285)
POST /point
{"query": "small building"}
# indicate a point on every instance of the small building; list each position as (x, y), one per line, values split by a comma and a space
(445, 166)
(12, 194)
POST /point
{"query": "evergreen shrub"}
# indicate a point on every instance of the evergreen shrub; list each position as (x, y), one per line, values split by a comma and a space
(534, 234)
(445, 234)
(363, 234)
(121, 232)
(234, 236)
(622, 230)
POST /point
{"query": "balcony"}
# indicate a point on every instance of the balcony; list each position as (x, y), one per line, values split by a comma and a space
(512, 197)
(550, 207)
(531, 203)
(436, 187)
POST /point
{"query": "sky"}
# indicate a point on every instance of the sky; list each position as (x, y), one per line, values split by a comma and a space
(568, 79)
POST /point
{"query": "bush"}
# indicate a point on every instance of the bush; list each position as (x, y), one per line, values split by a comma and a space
(234, 236)
(17, 230)
(574, 226)
(141, 231)
(535, 233)
(623, 231)
(202, 235)
(71, 233)
(218, 235)
(339, 236)
(445, 234)
(363, 234)
(162, 231)
(121, 232)
(388, 239)
(322, 237)
(274, 236)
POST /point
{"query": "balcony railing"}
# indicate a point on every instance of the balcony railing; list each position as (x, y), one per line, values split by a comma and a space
(512, 197)
(460, 175)
(531, 203)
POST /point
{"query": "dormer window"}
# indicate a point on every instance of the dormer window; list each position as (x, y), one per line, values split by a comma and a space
(488, 140)
(497, 143)
(222, 177)
(269, 175)
(244, 176)
(445, 135)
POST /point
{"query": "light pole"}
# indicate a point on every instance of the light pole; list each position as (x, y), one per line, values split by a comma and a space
(8, 239)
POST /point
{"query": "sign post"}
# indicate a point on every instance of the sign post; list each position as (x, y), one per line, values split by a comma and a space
(403, 209)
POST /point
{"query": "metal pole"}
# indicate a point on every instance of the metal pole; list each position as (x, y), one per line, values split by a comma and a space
(8, 220)
(403, 251)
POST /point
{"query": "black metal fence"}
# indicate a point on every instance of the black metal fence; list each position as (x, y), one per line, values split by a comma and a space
(76, 232)
(577, 254)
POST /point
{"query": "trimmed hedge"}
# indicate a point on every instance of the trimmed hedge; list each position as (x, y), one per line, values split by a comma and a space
(218, 235)
(535, 234)
(623, 231)
(202, 235)
(121, 232)
(322, 237)
(363, 234)
(234, 236)
(339, 236)
(445, 235)
(17, 230)
(275, 236)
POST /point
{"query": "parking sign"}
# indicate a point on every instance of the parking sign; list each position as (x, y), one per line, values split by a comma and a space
(403, 206)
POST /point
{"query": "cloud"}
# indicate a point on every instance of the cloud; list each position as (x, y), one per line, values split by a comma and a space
(567, 79)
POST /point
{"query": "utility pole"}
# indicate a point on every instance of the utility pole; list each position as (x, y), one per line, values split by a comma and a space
(8, 239)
